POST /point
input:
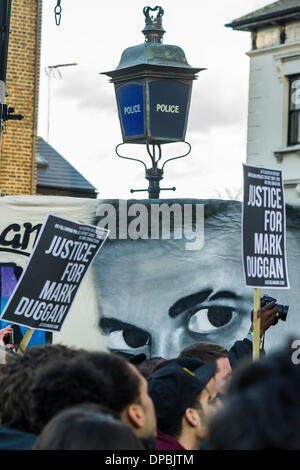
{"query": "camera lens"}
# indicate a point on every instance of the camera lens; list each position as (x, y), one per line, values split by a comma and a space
(285, 309)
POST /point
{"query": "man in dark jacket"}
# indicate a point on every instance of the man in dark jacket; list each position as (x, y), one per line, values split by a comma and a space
(15, 439)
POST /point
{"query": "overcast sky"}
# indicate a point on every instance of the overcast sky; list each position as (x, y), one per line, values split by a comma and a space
(84, 124)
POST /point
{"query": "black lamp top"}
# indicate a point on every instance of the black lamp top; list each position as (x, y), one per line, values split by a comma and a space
(153, 53)
(153, 30)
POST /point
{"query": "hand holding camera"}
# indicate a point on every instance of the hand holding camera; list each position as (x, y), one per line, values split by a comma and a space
(270, 313)
(6, 337)
(282, 310)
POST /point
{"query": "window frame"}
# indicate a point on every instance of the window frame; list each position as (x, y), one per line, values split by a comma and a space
(291, 112)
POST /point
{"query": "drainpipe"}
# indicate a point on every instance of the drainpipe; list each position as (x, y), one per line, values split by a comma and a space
(36, 94)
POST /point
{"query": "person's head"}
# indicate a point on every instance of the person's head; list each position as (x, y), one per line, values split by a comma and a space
(63, 384)
(148, 366)
(212, 353)
(103, 378)
(129, 392)
(185, 397)
(140, 414)
(262, 409)
(16, 379)
(87, 427)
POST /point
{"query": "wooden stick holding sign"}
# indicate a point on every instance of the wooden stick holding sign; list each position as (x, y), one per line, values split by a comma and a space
(25, 341)
(256, 324)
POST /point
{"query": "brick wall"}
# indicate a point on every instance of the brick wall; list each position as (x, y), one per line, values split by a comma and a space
(19, 146)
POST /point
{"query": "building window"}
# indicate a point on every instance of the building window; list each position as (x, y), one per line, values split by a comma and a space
(294, 111)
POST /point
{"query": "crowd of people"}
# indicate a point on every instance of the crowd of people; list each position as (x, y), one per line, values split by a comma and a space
(54, 397)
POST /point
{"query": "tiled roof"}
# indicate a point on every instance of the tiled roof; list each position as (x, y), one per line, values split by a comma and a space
(54, 171)
(281, 9)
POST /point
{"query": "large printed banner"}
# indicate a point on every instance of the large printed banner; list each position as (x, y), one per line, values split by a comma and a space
(169, 274)
(57, 265)
(264, 229)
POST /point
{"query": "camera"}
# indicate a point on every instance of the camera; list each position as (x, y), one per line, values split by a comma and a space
(9, 339)
(282, 310)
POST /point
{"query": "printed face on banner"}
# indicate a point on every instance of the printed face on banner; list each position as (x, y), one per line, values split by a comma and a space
(157, 297)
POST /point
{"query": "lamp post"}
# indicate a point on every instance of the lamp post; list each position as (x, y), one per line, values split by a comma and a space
(50, 72)
(153, 85)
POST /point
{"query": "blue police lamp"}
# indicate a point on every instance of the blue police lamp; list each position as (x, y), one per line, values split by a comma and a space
(153, 85)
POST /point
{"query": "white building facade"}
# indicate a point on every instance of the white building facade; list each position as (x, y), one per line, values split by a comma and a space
(273, 138)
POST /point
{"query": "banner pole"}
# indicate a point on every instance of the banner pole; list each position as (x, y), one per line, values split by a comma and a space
(24, 343)
(256, 324)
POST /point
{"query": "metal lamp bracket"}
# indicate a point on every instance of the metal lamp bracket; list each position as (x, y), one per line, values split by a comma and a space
(180, 156)
(155, 174)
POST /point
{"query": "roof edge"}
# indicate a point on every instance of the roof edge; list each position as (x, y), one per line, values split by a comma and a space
(242, 24)
(69, 188)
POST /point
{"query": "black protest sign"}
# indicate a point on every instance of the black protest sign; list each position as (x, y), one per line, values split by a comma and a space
(59, 261)
(264, 230)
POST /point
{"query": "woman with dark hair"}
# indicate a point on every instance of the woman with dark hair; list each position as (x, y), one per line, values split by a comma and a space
(87, 427)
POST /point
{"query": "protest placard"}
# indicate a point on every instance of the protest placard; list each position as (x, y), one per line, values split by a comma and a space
(57, 265)
(264, 237)
(264, 229)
